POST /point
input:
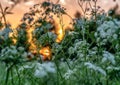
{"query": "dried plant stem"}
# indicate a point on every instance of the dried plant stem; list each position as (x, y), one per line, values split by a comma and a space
(95, 9)
(81, 7)
(57, 1)
(3, 15)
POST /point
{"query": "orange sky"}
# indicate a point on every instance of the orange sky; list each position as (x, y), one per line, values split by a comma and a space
(71, 5)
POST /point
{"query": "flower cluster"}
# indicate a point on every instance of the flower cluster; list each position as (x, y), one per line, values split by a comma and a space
(42, 70)
(4, 34)
(107, 56)
(78, 48)
(14, 54)
(108, 31)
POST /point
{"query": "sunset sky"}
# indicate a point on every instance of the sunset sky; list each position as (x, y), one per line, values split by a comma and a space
(71, 5)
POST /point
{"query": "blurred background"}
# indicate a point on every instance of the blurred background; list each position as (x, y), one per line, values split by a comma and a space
(22, 6)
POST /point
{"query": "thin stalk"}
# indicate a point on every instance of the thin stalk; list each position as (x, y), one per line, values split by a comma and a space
(58, 69)
(57, 1)
(81, 7)
(3, 15)
(61, 21)
(70, 66)
(107, 81)
(69, 16)
(86, 70)
(90, 5)
(95, 10)
(18, 74)
(6, 80)
(86, 8)
(57, 78)
(12, 81)
(67, 61)
(7, 75)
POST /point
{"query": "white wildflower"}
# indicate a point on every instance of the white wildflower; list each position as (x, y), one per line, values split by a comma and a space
(108, 30)
(80, 54)
(108, 57)
(72, 33)
(11, 56)
(13, 47)
(21, 48)
(11, 52)
(68, 74)
(42, 70)
(5, 33)
(63, 65)
(115, 36)
(71, 50)
(113, 68)
(49, 67)
(40, 73)
(14, 51)
(94, 67)
(27, 66)
(24, 55)
(80, 45)
(92, 52)
(117, 46)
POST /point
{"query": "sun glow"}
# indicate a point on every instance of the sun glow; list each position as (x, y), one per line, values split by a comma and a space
(60, 35)
(63, 2)
(32, 47)
(46, 53)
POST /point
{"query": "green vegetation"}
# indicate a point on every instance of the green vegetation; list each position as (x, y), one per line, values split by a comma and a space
(89, 53)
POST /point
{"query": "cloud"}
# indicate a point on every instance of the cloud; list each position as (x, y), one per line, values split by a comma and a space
(63, 2)
(8, 2)
(29, 3)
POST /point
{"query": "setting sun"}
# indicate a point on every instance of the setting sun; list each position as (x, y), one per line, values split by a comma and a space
(46, 53)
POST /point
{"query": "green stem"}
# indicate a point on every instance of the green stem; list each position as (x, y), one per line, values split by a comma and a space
(107, 79)
(58, 70)
(7, 75)
(18, 74)
(12, 81)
